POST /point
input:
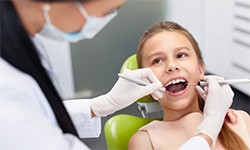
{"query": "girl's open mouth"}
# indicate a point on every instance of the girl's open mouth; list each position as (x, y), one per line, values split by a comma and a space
(176, 85)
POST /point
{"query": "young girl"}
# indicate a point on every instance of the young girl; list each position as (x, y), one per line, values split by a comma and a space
(175, 58)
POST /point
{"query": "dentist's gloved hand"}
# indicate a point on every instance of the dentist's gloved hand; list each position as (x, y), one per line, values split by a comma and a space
(124, 92)
(218, 99)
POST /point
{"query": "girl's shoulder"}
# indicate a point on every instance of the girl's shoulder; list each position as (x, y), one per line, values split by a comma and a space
(242, 116)
(245, 118)
(140, 140)
(242, 125)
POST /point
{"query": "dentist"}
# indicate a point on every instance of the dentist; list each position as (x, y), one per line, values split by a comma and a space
(32, 113)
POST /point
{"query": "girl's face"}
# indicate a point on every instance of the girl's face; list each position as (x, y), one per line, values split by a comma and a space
(174, 62)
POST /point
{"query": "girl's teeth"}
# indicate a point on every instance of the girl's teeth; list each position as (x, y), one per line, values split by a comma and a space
(175, 81)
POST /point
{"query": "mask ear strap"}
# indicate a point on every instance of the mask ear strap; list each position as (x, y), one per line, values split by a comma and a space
(46, 9)
(82, 10)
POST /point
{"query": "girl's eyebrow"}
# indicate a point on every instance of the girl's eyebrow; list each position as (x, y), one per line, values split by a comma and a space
(160, 52)
(180, 48)
(154, 54)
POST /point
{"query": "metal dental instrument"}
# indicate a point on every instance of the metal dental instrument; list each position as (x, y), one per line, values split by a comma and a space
(232, 81)
(201, 83)
(140, 82)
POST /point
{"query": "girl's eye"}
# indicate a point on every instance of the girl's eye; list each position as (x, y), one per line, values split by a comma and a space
(157, 61)
(182, 55)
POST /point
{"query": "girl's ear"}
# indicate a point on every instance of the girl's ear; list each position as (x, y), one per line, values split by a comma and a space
(201, 71)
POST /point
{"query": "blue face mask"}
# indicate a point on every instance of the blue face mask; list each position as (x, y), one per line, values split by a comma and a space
(92, 26)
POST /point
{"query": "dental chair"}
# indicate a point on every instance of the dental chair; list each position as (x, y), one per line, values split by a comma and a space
(120, 128)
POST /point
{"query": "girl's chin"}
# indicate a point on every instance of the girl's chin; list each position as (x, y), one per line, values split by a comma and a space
(177, 104)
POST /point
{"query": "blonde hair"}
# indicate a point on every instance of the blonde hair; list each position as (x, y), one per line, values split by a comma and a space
(229, 139)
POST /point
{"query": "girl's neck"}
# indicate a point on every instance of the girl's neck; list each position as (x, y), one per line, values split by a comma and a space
(172, 115)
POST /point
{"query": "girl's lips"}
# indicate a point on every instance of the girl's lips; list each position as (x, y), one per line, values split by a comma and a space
(176, 85)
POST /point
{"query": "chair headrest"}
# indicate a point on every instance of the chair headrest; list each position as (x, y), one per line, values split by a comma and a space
(130, 63)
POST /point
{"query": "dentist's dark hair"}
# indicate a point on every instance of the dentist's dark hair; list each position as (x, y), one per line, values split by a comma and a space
(18, 50)
(229, 139)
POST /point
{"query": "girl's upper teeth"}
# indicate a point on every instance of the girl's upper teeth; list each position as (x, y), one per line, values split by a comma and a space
(175, 81)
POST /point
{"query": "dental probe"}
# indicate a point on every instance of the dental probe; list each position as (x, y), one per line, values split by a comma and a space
(138, 81)
(135, 80)
(201, 83)
(232, 81)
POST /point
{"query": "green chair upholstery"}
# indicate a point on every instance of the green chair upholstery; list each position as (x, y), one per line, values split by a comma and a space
(119, 129)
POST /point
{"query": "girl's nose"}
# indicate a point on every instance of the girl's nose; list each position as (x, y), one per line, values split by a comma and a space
(173, 67)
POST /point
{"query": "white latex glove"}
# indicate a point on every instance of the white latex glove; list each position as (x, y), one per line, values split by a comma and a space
(218, 99)
(124, 92)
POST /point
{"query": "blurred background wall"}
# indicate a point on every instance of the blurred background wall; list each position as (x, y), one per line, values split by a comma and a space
(97, 62)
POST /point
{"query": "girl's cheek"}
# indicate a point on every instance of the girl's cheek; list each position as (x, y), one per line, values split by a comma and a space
(158, 73)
